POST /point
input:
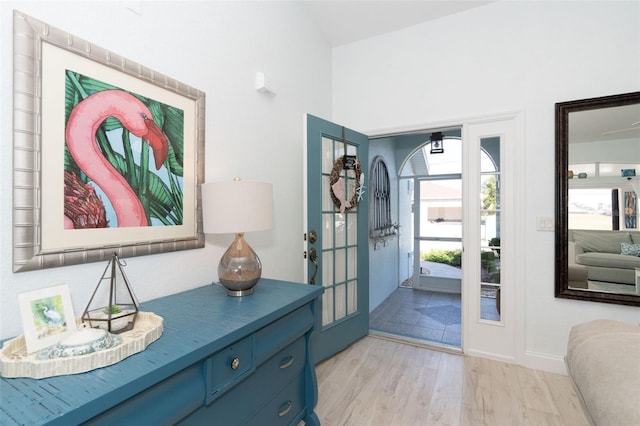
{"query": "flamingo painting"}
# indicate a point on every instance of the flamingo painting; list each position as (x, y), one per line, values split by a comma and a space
(83, 208)
(83, 123)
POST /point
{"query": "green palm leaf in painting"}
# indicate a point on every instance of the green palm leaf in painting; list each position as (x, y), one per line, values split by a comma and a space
(160, 200)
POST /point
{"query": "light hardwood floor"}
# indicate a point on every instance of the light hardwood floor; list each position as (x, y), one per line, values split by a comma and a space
(386, 383)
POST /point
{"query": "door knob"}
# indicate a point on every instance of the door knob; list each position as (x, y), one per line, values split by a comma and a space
(313, 237)
(313, 258)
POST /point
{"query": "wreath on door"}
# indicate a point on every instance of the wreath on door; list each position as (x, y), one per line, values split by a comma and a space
(337, 185)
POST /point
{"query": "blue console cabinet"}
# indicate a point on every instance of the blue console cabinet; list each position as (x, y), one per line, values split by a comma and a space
(220, 361)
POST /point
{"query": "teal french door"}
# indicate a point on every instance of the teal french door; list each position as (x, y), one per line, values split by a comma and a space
(336, 238)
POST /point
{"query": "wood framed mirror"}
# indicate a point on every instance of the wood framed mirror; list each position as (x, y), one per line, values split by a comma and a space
(597, 230)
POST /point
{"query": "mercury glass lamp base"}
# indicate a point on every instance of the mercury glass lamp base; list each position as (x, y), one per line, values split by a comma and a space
(237, 293)
(240, 268)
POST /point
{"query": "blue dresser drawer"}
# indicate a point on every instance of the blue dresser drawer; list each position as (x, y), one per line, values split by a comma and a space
(240, 405)
(282, 332)
(165, 403)
(284, 366)
(286, 408)
(227, 367)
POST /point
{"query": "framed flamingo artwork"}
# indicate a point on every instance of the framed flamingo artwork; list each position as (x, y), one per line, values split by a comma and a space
(108, 154)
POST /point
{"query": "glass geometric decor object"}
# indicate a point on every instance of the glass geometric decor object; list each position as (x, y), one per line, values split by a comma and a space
(113, 306)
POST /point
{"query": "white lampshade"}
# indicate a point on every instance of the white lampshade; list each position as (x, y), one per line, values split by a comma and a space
(237, 206)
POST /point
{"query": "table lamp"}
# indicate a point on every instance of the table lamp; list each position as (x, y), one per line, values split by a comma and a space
(237, 207)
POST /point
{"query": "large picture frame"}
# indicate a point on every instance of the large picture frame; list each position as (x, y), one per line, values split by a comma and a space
(55, 71)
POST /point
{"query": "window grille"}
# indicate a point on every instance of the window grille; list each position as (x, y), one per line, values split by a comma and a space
(381, 198)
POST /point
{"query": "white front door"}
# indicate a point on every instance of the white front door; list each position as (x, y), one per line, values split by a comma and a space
(493, 270)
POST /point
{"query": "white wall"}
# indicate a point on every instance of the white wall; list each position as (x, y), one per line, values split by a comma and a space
(505, 56)
(215, 47)
(390, 265)
(383, 261)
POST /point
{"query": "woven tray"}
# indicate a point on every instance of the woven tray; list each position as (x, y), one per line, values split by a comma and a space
(15, 362)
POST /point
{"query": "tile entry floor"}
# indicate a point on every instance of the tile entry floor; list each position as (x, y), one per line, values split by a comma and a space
(424, 315)
(419, 314)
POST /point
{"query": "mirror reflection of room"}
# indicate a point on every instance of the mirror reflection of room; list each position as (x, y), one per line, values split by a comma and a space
(604, 161)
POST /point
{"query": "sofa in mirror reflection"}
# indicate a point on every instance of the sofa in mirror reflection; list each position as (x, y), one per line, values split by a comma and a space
(604, 260)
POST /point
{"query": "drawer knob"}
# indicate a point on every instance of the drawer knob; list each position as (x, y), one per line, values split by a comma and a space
(286, 363)
(235, 363)
(285, 408)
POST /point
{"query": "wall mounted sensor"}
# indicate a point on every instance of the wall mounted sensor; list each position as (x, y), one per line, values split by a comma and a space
(263, 85)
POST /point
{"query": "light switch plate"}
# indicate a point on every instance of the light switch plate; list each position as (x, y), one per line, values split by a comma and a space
(544, 223)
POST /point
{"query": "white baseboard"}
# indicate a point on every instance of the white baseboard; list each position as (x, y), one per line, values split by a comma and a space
(533, 360)
(491, 355)
(545, 362)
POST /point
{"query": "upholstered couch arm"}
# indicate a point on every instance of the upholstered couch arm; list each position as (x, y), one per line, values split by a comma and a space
(574, 250)
(602, 361)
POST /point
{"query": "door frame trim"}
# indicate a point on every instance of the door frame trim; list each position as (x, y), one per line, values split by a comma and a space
(519, 337)
(305, 210)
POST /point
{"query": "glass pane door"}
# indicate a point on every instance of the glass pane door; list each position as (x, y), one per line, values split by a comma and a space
(337, 239)
(339, 242)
